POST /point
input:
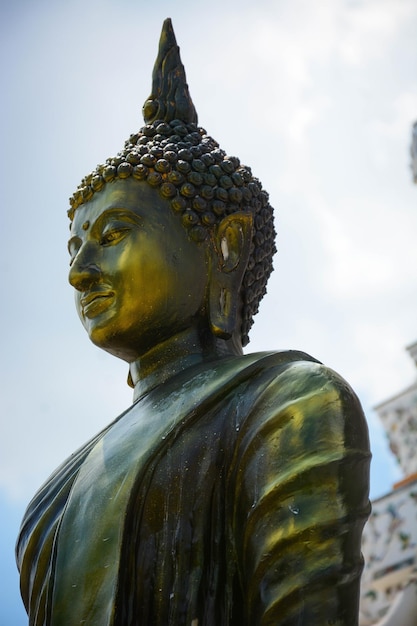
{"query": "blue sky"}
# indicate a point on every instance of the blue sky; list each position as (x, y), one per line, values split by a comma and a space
(318, 98)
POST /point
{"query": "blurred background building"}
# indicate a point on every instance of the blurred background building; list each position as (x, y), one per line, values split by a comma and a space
(389, 582)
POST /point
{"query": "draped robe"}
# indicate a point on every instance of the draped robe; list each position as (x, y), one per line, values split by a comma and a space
(232, 494)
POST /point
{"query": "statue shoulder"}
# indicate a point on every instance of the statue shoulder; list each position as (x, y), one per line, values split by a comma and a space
(303, 374)
(294, 383)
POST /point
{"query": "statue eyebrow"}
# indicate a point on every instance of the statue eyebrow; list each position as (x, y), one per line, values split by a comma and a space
(114, 212)
(119, 213)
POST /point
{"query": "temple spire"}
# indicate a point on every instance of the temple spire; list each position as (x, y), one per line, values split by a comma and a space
(170, 98)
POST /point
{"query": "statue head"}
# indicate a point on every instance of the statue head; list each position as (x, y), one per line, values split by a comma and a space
(220, 221)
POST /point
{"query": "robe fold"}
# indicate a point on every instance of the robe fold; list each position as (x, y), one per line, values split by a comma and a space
(233, 494)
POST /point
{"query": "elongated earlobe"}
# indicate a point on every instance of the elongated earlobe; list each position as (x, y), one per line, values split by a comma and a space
(230, 259)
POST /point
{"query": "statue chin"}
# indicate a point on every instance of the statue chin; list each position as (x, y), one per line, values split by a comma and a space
(234, 489)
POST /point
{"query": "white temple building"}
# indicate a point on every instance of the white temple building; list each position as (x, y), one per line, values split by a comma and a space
(389, 581)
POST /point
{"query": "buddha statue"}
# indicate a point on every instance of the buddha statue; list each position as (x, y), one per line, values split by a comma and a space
(234, 490)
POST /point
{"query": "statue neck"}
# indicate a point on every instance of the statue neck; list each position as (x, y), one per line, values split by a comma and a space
(186, 349)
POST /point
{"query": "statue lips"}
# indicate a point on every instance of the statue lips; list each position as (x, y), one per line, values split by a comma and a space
(95, 302)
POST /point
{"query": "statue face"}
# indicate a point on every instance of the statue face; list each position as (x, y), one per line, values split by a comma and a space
(138, 278)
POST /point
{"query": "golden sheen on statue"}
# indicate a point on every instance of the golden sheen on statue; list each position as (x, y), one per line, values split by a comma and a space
(234, 490)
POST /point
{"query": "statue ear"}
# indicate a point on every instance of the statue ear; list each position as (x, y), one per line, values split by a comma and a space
(231, 254)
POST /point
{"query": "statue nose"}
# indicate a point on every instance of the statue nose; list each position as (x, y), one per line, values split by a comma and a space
(84, 270)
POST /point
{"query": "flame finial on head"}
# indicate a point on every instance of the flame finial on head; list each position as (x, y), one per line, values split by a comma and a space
(170, 98)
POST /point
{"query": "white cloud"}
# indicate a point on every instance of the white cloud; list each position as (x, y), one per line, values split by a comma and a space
(371, 248)
(370, 27)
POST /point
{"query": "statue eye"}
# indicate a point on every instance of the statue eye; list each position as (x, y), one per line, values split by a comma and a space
(114, 234)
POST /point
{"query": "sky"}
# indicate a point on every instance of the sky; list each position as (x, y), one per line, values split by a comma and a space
(318, 98)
